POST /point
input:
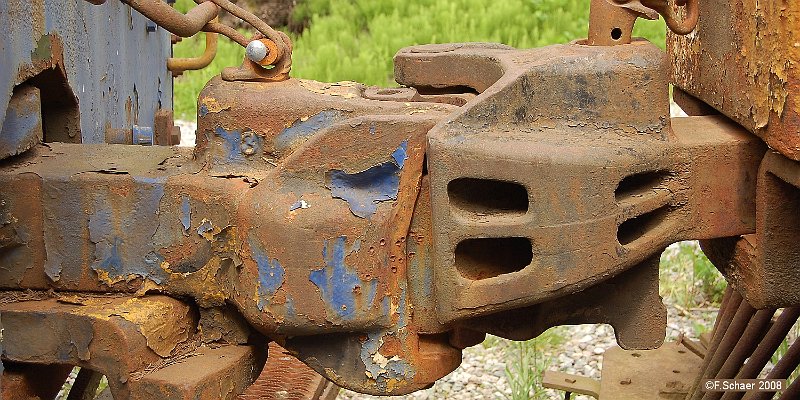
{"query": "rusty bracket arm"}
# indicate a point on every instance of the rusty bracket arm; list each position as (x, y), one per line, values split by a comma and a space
(178, 65)
(278, 53)
(273, 66)
(678, 25)
(611, 25)
(183, 25)
(611, 21)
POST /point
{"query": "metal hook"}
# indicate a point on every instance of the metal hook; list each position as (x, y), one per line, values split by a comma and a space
(668, 10)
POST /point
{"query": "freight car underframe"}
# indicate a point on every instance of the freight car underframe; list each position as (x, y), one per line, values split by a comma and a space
(375, 233)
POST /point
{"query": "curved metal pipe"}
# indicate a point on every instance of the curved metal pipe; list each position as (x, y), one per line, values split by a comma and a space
(250, 18)
(671, 17)
(178, 65)
(227, 31)
(183, 25)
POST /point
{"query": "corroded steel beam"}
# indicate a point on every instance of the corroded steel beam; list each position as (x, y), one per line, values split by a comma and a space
(744, 60)
(96, 80)
(763, 265)
(144, 346)
(375, 233)
(541, 193)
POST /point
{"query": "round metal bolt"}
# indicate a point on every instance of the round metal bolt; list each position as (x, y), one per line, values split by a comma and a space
(249, 143)
(256, 51)
(150, 26)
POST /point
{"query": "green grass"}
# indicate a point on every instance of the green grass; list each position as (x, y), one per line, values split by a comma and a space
(356, 39)
(689, 279)
(67, 386)
(526, 362)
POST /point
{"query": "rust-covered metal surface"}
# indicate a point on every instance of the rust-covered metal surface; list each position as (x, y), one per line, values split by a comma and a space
(763, 265)
(317, 218)
(374, 233)
(286, 378)
(224, 225)
(664, 373)
(571, 187)
(743, 60)
(22, 128)
(147, 347)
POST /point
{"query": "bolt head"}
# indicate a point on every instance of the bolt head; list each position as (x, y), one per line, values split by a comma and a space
(249, 143)
(256, 51)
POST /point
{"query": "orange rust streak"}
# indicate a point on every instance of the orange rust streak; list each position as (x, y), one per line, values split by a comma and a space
(401, 216)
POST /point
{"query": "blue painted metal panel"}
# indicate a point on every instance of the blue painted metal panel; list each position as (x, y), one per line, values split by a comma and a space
(364, 190)
(22, 128)
(115, 68)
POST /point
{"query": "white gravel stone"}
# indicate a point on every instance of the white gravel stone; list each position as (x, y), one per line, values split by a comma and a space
(586, 339)
(188, 129)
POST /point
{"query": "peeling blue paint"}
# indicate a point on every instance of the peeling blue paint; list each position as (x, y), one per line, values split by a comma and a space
(153, 260)
(203, 110)
(186, 214)
(304, 129)
(338, 283)
(364, 190)
(205, 227)
(270, 274)
(122, 246)
(299, 204)
(19, 132)
(60, 236)
(53, 265)
(368, 349)
(232, 145)
(112, 263)
(385, 305)
(380, 368)
(400, 155)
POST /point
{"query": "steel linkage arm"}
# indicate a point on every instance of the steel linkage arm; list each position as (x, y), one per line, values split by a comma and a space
(183, 25)
(272, 62)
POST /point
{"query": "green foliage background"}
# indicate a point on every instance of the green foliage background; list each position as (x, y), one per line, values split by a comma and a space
(356, 39)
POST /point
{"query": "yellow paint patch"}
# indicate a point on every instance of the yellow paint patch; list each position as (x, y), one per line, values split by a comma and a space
(212, 105)
(393, 383)
(347, 89)
(155, 319)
